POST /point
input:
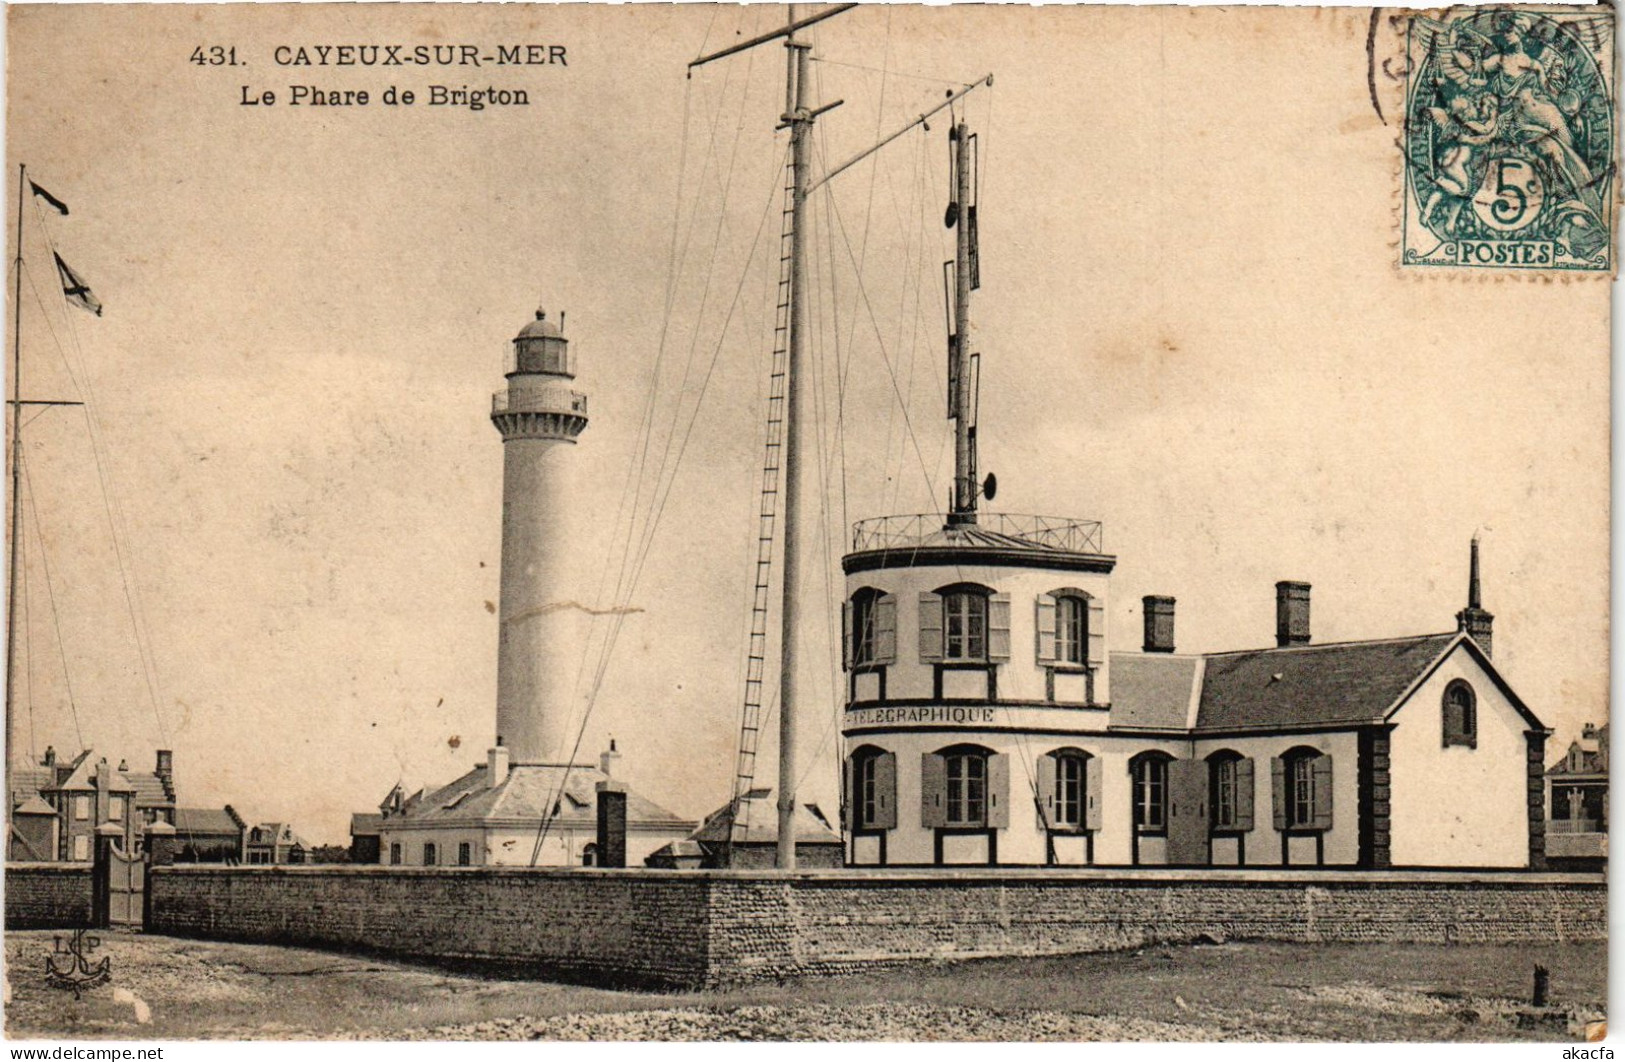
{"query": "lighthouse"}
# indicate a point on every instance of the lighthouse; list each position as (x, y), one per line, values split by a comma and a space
(540, 416)
(527, 804)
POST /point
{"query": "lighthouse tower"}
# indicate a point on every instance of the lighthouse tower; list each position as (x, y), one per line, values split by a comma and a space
(539, 416)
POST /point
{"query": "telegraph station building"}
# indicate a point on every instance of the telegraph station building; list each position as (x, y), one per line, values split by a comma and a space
(990, 722)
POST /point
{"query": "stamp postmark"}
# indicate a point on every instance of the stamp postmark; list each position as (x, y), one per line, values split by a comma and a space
(1509, 140)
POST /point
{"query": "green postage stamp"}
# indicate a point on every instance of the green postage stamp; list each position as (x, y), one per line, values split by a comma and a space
(1509, 140)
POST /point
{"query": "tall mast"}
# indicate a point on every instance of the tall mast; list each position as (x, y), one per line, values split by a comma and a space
(964, 407)
(16, 484)
(800, 120)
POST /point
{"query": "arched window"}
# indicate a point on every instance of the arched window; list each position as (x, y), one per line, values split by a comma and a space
(964, 615)
(1150, 773)
(1071, 769)
(1460, 715)
(1230, 791)
(1303, 790)
(872, 799)
(871, 628)
(964, 787)
(966, 777)
(964, 623)
(1071, 630)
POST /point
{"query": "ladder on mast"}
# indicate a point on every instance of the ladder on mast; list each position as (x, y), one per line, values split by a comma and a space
(750, 723)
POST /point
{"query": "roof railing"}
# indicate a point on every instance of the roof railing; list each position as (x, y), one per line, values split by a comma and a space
(921, 529)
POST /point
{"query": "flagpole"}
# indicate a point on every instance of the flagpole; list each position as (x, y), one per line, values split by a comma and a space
(16, 487)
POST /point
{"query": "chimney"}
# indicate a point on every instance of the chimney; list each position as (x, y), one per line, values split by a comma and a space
(608, 760)
(1291, 614)
(496, 766)
(611, 801)
(50, 757)
(1159, 623)
(166, 764)
(1473, 620)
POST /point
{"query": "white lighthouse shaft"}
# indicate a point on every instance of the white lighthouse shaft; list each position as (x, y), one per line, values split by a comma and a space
(539, 416)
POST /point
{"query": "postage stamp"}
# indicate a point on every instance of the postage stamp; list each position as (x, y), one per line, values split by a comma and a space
(1509, 140)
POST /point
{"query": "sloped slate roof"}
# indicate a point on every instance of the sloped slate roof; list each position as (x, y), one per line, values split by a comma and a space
(1313, 685)
(1152, 690)
(190, 821)
(365, 824)
(526, 794)
(762, 822)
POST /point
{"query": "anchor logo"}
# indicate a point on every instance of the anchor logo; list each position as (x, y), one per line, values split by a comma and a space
(69, 965)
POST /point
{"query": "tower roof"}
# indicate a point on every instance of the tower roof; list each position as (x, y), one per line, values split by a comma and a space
(541, 328)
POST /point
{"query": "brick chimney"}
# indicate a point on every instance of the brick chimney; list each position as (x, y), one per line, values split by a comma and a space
(1473, 620)
(1291, 614)
(1159, 623)
(165, 771)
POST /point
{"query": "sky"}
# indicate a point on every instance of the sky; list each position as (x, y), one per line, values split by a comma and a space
(1191, 324)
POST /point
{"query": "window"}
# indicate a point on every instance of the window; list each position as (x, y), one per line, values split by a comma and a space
(81, 808)
(81, 847)
(395, 855)
(115, 809)
(1150, 773)
(871, 628)
(967, 788)
(1071, 629)
(872, 798)
(1303, 790)
(430, 855)
(1070, 770)
(1070, 633)
(1460, 715)
(465, 854)
(1230, 791)
(965, 625)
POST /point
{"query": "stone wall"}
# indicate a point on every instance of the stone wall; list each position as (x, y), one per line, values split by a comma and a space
(707, 928)
(48, 895)
(638, 927)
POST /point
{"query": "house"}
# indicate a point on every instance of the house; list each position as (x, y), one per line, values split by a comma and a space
(989, 722)
(275, 843)
(365, 845)
(56, 806)
(1577, 796)
(518, 814)
(755, 845)
(209, 835)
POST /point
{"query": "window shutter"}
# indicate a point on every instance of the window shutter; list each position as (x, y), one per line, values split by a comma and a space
(1046, 629)
(1322, 767)
(933, 790)
(848, 635)
(1092, 769)
(849, 798)
(886, 629)
(885, 792)
(998, 791)
(1046, 791)
(1244, 795)
(930, 627)
(1278, 790)
(1097, 632)
(998, 627)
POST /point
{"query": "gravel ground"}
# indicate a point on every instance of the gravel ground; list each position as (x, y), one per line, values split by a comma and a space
(166, 988)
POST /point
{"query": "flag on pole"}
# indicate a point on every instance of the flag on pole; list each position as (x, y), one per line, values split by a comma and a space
(61, 207)
(76, 290)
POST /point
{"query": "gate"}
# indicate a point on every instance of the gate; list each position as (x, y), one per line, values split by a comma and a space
(120, 884)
